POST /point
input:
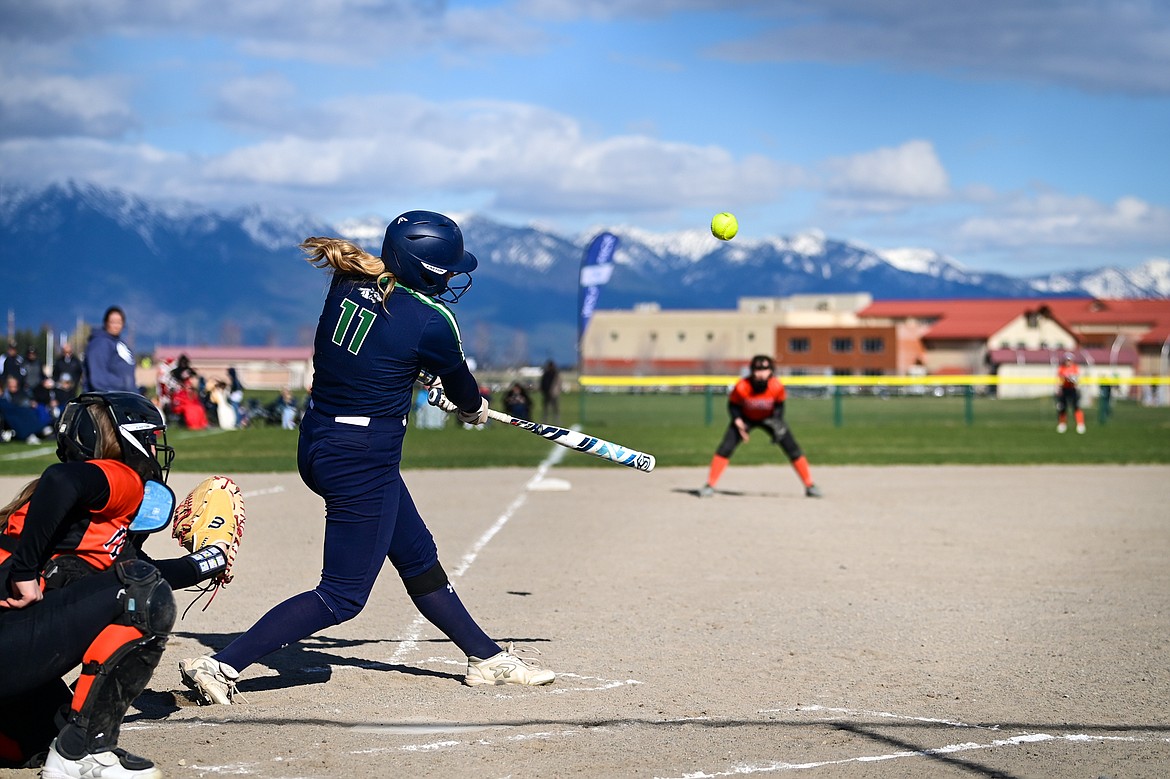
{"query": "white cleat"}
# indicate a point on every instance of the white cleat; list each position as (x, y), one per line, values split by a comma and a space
(1062, 427)
(507, 668)
(111, 764)
(1081, 429)
(211, 681)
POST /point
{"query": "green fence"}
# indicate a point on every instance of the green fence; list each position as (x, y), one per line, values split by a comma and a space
(851, 400)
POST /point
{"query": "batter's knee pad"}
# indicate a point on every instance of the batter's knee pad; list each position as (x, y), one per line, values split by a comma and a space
(119, 663)
(431, 580)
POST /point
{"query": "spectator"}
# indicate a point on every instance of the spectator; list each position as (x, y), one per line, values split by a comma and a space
(13, 365)
(224, 413)
(236, 395)
(48, 400)
(21, 420)
(14, 393)
(66, 388)
(183, 371)
(109, 363)
(286, 409)
(187, 403)
(67, 363)
(517, 402)
(34, 369)
(550, 393)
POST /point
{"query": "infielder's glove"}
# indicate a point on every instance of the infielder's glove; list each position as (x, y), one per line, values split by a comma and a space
(212, 513)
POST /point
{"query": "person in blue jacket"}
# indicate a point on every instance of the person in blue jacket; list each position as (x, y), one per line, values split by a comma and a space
(384, 321)
(109, 362)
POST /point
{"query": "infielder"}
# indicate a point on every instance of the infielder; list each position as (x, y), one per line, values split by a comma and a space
(383, 321)
(758, 401)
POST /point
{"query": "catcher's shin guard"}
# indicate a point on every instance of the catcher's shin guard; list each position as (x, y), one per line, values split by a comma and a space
(119, 663)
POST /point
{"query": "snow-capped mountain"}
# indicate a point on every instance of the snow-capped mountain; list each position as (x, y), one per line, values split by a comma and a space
(187, 274)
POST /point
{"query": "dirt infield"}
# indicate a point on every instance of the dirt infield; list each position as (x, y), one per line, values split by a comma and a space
(916, 622)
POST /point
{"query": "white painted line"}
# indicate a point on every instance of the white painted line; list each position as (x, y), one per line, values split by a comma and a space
(549, 485)
(414, 632)
(29, 453)
(881, 714)
(266, 491)
(1029, 738)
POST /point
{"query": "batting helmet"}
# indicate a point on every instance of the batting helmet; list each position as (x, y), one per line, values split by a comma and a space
(137, 423)
(424, 250)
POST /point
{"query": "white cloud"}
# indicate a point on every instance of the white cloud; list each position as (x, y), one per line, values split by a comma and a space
(1094, 46)
(46, 106)
(525, 158)
(349, 31)
(910, 171)
(1052, 219)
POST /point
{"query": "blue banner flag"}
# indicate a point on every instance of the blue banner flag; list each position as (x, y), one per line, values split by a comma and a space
(596, 270)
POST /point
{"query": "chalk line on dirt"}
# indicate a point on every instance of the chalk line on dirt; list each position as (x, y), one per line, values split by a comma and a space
(414, 632)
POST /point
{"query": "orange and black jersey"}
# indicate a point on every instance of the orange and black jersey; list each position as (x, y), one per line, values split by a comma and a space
(757, 406)
(1069, 375)
(82, 509)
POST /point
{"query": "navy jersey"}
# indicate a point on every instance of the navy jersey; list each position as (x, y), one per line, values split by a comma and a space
(366, 357)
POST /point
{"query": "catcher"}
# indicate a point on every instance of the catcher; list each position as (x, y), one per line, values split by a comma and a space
(79, 590)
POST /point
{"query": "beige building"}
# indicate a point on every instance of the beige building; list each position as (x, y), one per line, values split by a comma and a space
(258, 367)
(1019, 340)
(647, 341)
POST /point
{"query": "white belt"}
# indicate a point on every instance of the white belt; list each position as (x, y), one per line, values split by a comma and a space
(359, 421)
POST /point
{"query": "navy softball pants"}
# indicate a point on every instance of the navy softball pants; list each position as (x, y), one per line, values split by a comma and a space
(369, 518)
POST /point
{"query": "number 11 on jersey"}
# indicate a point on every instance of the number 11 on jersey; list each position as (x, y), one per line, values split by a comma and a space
(365, 321)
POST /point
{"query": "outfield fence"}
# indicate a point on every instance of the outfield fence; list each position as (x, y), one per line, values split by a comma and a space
(1099, 391)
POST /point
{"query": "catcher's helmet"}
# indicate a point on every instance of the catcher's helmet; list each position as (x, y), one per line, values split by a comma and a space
(424, 250)
(137, 422)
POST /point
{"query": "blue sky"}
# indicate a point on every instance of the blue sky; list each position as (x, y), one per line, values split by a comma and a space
(1020, 136)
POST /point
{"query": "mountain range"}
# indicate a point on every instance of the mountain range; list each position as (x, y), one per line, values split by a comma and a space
(186, 274)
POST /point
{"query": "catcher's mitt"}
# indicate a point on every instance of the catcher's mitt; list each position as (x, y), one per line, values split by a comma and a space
(212, 513)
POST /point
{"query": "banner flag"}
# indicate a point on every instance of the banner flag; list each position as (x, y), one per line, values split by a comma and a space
(596, 270)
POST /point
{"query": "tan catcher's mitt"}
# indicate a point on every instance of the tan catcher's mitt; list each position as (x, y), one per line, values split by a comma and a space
(212, 513)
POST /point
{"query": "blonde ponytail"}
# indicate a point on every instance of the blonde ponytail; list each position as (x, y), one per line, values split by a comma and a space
(345, 257)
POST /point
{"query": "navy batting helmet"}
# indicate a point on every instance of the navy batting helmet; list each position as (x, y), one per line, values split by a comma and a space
(424, 250)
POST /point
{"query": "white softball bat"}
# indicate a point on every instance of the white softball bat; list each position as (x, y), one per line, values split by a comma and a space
(570, 439)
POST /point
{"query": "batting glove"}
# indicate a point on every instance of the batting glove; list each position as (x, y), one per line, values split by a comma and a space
(477, 417)
(436, 397)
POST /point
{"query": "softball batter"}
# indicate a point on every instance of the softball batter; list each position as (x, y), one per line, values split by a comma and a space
(383, 321)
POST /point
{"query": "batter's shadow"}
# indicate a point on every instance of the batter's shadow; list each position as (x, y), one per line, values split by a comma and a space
(733, 493)
(312, 660)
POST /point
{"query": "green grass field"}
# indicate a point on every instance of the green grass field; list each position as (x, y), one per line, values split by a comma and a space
(682, 430)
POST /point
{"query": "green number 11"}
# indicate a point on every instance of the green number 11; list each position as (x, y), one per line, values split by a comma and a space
(365, 320)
